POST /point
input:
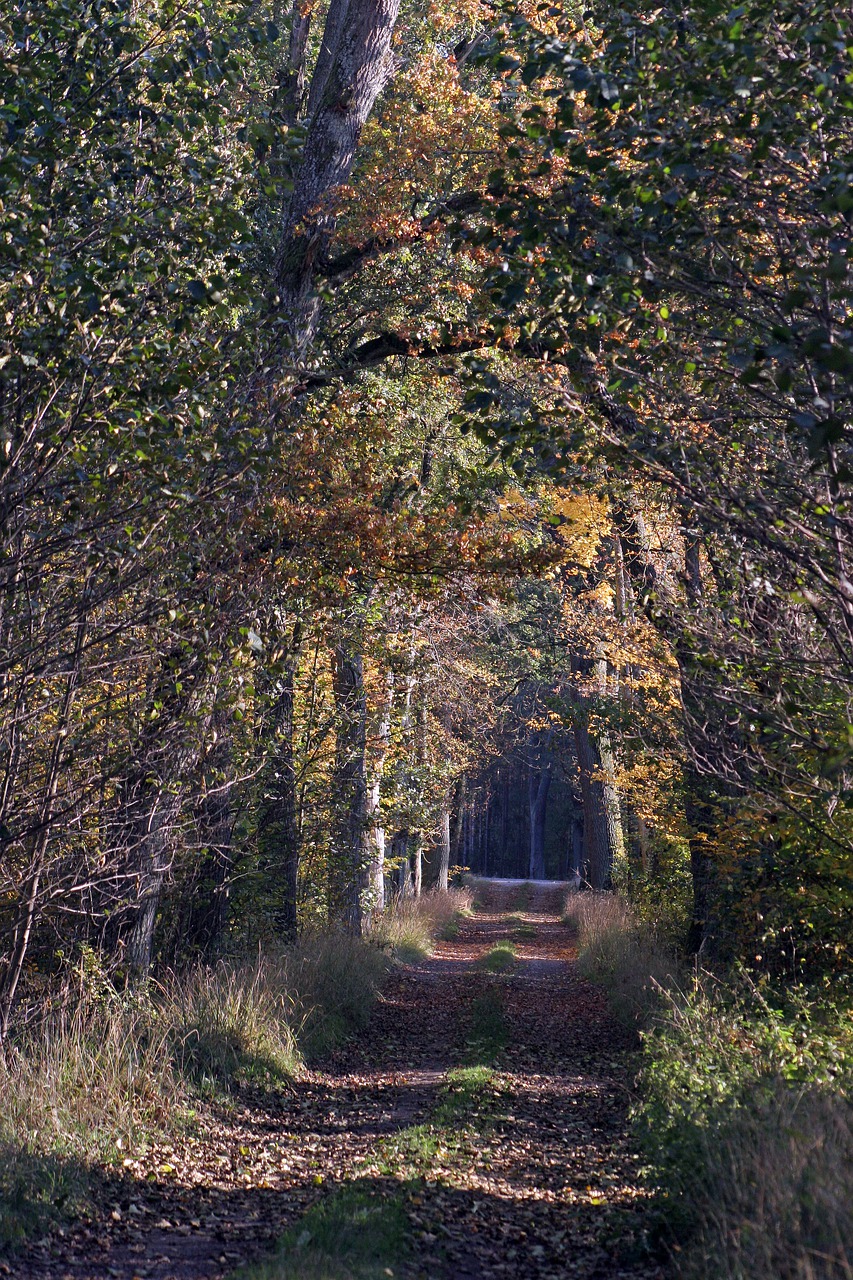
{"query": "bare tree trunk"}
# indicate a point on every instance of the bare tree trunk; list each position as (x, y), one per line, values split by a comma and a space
(504, 846)
(704, 736)
(577, 848)
(383, 739)
(444, 861)
(458, 826)
(208, 906)
(539, 784)
(418, 864)
(602, 829)
(154, 856)
(404, 870)
(487, 824)
(348, 877)
(354, 65)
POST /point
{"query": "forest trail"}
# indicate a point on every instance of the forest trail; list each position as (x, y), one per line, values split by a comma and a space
(490, 1106)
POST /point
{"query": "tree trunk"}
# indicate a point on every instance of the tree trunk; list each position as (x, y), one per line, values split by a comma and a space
(353, 66)
(404, 870)
(601, 823)
(576, 868)
(418, 864)
(487, 832)
(348, 876)
(153, 856)
(383, 741)
(208, 906)
(459, 824)
(505, 796)
(539, 784)
(444, 861)
(704, 736)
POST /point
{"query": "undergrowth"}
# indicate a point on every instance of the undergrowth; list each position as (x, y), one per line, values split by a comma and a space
(107, 1072)
(744, 1107)
(621, 952)
(411, 925)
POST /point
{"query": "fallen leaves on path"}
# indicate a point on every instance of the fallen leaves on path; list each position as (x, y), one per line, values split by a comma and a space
(546, 1186)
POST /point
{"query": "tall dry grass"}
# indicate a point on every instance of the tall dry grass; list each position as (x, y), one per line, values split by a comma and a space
(86, 1085)
(618, 950)
(744, 1112)
(408, 928)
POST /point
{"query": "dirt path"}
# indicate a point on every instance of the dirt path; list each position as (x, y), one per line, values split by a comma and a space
(538, 1180)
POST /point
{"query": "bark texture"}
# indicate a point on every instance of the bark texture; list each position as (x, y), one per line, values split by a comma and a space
(353, 67)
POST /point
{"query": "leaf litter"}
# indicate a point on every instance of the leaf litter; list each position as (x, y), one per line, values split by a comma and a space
(508, 1148)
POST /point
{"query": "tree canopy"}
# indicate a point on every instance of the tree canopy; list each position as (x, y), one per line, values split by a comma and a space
(426, 444)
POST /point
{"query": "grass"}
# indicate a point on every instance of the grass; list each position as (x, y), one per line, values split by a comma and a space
(622, 953)
(499, 959)
(487, 1031)
(521, 930)
(744, 1109)
(358, 1232)
(233, 1024)
(409, 927)
(746, 1115)
(85, 1085)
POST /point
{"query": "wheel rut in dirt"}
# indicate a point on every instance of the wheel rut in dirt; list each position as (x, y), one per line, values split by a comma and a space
(536, 1180)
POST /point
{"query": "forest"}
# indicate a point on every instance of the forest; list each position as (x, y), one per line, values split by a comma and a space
(426, 557)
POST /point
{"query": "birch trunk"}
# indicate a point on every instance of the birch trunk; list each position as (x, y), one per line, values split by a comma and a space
(383, 741)
(444, 858)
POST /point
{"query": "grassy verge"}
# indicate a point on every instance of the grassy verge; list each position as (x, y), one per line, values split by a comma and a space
(99, 1079)
(744, 1111)
(622, 953)
(411, 925)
